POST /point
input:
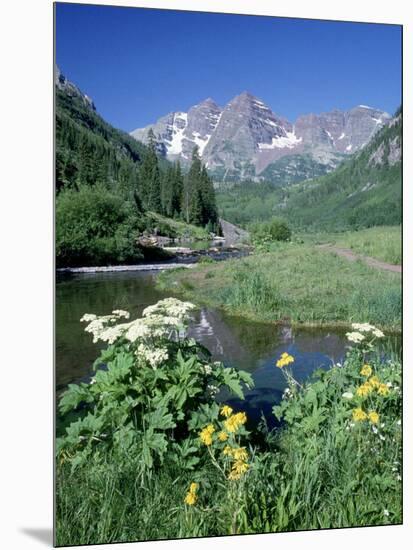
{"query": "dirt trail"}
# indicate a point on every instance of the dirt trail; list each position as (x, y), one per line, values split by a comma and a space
(352, 257)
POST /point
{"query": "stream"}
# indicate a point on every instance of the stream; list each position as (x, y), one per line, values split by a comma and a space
(237, 342)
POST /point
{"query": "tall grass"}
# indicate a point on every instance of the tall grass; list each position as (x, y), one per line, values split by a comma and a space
(295, 282)
(382, 243)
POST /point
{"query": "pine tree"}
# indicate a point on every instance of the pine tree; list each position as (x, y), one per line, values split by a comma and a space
(150, 177)
(177, 190)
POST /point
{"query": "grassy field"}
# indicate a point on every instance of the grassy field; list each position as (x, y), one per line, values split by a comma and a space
(294, 282)
(382, 243)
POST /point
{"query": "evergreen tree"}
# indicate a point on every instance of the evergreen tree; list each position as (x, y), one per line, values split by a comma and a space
(177, 190)
(150, 177)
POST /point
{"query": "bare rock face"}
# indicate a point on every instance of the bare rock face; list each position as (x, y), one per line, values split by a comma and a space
(62, 83)
(245, 137)
(178, 133)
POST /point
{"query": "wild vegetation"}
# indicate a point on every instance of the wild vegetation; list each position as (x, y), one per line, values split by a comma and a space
(149, 430)
(295, 282)
(122, 185)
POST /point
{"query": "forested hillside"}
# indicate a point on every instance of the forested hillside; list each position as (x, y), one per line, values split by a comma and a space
(108, 185)
(362, 192)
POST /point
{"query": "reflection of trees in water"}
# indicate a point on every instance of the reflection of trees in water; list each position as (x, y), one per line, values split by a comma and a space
(100, 294)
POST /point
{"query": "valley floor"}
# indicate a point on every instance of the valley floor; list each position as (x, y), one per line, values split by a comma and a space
(301, 283)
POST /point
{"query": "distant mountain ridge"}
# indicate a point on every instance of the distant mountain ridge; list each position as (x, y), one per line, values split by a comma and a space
(246, 139)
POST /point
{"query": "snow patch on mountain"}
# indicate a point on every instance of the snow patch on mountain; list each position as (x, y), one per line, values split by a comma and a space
(290, 140)
(174, 146)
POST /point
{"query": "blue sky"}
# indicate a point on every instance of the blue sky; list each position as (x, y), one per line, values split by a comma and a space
(140, 64)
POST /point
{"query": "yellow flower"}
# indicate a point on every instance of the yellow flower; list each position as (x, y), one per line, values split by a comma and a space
(193, 487)
(284, 360)
(233, 475)
(190, 499)
(226, 411)
(206, 434)
(382, 389)
(240, 467)
(227, 451)
(240, 453)
(374, 381)
(373, 417)
(235, 421)
(366, 370)
(359, 415)
(222, 436)
(364, 389)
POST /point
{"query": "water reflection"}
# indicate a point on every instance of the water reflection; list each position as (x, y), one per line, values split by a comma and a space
(244, 344)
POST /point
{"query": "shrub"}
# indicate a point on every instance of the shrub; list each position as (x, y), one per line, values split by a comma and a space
(95, 227)
(265, 233)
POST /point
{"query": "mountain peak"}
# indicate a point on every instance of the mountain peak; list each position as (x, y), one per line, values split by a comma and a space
(245, 136)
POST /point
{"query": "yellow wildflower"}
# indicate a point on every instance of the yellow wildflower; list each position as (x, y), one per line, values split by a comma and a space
(366, 370)
(233, 475)
(227, 451)
(191, 496)
(240, 453)
(374, 381)
(374, 417)
(382, 389)
(206, 435)
(284, 360)
(222, 436)
(193, 487)
(240, 467)
(190, 499)
(364, 389)
(359, 415)
(226, 411)
(234, 422)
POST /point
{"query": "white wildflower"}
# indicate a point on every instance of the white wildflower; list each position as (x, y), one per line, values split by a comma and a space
(399, 422)
(207, 369)
(386, 513)
(378, 333)
(87, 317)
(121, 313)
(374, 429)
(169, 306)
(382, 437)
(355, 337)
(347, 395)
(213, 390)
(154, 357)
(399, 477)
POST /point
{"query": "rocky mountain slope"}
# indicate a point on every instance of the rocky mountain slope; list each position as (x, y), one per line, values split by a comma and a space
(246, 139)
(364, 191)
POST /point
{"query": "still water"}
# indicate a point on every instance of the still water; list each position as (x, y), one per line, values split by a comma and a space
(248, 345)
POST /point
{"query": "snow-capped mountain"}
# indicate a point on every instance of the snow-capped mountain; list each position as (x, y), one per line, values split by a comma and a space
(246, 139)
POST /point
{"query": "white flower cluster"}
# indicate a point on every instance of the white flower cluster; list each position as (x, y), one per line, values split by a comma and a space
(359, 332)
(158, 321)
(170, 307)
(154, 357)
(103, 327)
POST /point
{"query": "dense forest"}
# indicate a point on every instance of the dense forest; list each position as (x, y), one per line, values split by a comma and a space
(108, 186)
